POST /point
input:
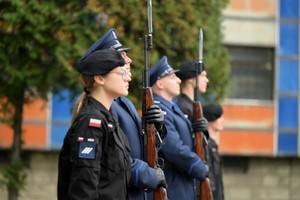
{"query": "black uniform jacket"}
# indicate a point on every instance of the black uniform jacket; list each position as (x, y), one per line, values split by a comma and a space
(94, 162)
(215, 171)
(186, 105)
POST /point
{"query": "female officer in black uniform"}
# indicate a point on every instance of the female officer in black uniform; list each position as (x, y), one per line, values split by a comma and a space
(94, 162)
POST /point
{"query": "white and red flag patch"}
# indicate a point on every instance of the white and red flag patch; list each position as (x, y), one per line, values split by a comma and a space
(95, 122)
(110, 125)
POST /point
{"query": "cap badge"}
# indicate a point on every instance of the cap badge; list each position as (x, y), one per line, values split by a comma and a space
(114, 34)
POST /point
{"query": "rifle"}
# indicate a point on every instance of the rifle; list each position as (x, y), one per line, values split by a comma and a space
(205, 190)
(160, 192)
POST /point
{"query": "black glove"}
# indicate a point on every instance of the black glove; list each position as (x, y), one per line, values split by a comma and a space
(200, 124)
(161, 179)
(154, 115)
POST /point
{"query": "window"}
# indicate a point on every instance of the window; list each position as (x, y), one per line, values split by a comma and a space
(252, 73)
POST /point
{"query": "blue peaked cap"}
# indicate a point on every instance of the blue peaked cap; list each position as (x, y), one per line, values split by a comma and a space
(160, 70)
(108, 41)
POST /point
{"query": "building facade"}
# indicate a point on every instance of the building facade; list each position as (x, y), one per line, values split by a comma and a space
(262, 109)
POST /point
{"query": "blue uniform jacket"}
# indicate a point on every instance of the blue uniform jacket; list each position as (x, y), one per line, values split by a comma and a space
(142, 176)
(182, 165)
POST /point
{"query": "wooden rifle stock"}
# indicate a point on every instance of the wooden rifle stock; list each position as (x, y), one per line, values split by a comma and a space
(160, 192)
(205, 189)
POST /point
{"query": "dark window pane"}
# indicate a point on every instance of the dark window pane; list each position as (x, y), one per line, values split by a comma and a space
(252, 73)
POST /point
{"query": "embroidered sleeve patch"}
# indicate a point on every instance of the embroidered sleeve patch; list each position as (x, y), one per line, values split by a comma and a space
(95, 122)
(87, 150)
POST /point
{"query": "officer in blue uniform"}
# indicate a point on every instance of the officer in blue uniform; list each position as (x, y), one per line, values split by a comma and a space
(182, 165)
(143, 178)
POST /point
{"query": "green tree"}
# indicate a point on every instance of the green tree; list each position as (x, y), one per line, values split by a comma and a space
(175, 34)
(40, 43)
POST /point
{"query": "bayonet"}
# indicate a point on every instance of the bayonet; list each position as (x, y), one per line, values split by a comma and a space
(200, 45)
(198, 65)
(148, 46)
(149, 17)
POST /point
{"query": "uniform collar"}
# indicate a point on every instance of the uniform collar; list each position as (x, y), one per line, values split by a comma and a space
(99, 106)
(161, 100)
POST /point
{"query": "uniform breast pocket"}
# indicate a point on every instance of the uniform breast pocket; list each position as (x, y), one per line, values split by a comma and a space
(114, 157)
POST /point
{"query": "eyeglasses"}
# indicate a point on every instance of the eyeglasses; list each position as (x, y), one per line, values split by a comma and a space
(125, 74)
